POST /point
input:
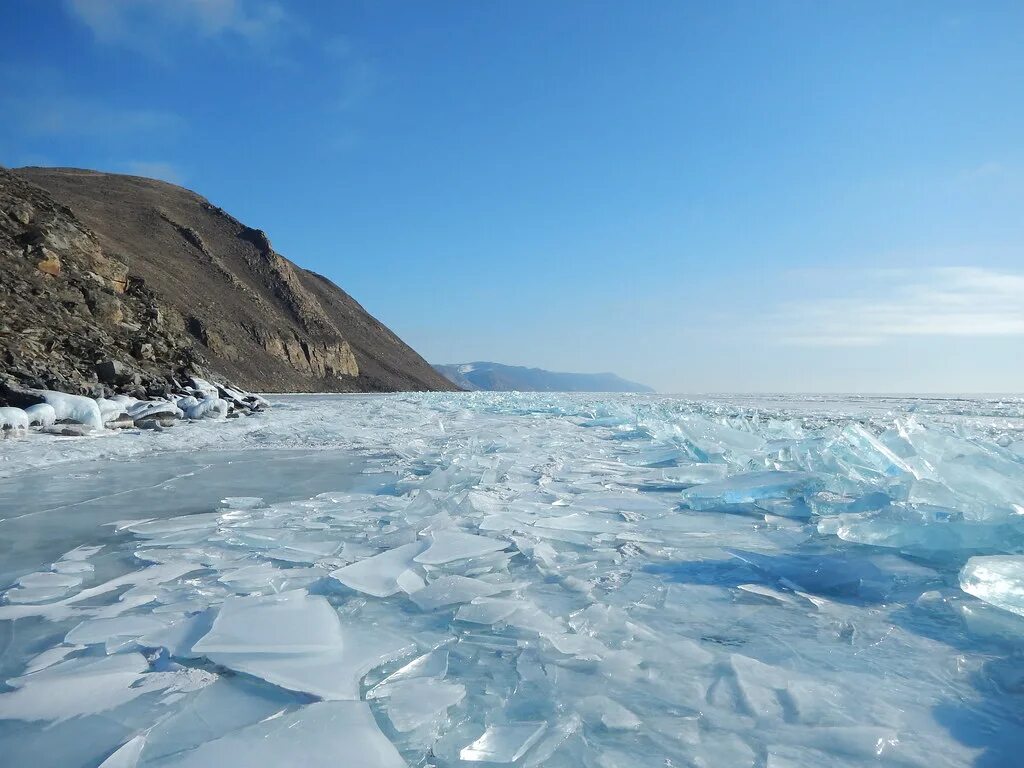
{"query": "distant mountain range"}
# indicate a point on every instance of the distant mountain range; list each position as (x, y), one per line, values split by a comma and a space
(495, 377)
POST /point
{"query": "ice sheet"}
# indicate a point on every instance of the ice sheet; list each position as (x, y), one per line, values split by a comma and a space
(525, 580)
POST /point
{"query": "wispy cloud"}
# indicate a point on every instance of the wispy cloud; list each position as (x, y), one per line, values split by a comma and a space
(155, 27)
(264, 31)
(62, 115)
(881, 305)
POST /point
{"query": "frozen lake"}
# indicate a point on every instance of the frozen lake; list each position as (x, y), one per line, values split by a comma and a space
(490, 579)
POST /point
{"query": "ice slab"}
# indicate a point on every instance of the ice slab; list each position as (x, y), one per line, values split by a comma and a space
(326, 735)
(59, 582)
(226, 705)
(609, 713)
(75, 687)
(751, 487)
(433, 664)
(503, 744)
(487, 610)
(180, 637)
(127, 755)
(452, 589)
(447, 545)
(996, 579)
(413, 703)
(332, 676)
(380, 575)
(286, 623)
(115, 629)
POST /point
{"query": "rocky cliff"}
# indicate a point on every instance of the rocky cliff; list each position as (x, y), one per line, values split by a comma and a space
(132, 282)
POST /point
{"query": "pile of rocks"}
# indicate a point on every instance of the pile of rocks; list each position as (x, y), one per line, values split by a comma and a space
(61, 413)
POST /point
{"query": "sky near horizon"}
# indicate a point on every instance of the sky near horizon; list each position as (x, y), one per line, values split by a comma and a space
(704, 197)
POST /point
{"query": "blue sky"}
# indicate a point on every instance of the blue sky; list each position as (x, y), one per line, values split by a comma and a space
(727, 196)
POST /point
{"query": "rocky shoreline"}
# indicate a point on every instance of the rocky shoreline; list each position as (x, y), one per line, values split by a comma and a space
(119, 284)
(23, 410)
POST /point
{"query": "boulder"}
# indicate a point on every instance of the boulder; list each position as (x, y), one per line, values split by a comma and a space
(123, 421)
(68, 430)
(162, 422)
(19, 397)
(114, 372)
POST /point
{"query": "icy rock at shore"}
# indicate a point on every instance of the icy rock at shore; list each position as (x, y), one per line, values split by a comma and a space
(76, 415)
(77, 408)
(41, 414)
(110, 409)
(13, 418)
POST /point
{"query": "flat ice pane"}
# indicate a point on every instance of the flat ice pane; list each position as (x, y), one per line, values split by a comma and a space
(503, 743)
(751, 487)
(416, 702)
(73, 688)
(448, 545)
(127, 755)
(290, 622)
(996, 579)
(379, 575)
(452, 589)
(322, 735)
(333, 674)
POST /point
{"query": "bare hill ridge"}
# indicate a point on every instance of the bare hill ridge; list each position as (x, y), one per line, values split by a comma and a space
(168, 282)
(496, 377)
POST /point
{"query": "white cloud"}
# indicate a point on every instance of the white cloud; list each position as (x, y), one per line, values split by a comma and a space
(154, 26)
(882, 305)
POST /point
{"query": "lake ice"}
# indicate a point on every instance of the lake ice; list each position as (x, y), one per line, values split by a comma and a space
(490, 579)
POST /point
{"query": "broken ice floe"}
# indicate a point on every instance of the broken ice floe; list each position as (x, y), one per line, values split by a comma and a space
(548, 580)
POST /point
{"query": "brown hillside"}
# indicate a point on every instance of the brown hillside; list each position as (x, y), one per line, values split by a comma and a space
(249, 314)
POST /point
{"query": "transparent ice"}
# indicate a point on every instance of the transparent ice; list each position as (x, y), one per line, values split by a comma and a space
(490, 579)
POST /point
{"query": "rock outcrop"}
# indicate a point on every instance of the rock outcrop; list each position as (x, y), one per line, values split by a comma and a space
(129, 284)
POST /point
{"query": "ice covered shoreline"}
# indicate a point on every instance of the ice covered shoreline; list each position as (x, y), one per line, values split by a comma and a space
(545, 580)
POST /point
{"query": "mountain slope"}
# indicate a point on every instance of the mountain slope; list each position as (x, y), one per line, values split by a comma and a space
(246, 312)
(495, 377)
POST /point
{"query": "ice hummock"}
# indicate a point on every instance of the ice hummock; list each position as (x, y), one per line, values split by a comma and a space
(996, 579)
(521, 580)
